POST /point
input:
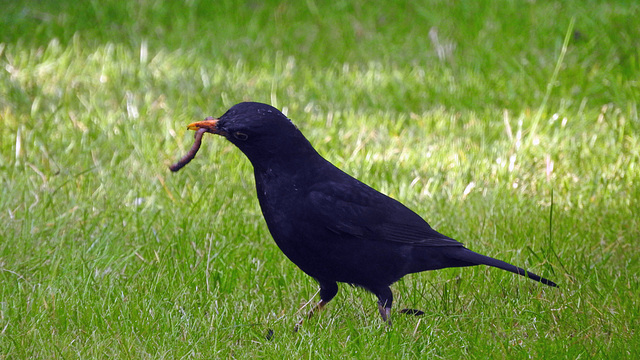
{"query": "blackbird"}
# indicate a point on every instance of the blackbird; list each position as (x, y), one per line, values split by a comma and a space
(332, 226)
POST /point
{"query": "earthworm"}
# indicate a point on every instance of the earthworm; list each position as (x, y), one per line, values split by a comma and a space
(191, 154)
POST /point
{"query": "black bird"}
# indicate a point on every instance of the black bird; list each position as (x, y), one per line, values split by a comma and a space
(332, 226)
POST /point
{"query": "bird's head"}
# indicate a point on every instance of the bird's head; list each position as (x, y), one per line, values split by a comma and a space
(261, 131)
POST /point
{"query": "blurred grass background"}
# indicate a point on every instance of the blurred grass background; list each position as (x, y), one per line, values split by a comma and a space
(511, 126)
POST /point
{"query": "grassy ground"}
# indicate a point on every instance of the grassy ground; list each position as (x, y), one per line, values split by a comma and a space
(511, 126)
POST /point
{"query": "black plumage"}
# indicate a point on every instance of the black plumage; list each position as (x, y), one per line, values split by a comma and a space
(332, 226)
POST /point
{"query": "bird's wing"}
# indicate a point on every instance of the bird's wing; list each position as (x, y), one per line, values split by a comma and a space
(355, 209)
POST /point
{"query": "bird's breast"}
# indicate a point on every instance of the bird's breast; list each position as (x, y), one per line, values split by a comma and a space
(280, 199)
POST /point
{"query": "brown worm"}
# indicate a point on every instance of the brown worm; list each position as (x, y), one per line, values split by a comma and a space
(191, 154)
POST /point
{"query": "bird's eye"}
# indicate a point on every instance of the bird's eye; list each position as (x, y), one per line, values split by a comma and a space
(240, 135)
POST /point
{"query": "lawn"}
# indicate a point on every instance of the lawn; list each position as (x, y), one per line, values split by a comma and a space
(511, 126)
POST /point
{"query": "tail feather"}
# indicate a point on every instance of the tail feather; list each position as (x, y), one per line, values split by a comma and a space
(478, 259)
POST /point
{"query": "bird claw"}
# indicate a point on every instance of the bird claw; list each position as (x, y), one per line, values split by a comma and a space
(414, 312)
(319, 306)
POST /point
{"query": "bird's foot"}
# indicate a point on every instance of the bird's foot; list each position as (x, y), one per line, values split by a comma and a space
(319, 306)
(414, 312)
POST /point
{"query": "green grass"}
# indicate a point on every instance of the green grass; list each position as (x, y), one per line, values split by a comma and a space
(500, 136)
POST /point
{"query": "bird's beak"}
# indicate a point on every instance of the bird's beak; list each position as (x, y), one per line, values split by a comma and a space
(210, 124)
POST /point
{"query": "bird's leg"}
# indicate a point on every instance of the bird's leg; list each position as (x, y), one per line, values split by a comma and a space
(385, 312)
(385, 299)
(327, 291)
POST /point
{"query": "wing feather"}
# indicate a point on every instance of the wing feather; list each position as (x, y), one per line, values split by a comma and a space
(361, 211)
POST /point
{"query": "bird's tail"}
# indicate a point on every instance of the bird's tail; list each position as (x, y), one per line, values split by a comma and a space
(475, 258)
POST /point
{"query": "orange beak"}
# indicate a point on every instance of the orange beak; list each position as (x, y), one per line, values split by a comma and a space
(210, 124)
